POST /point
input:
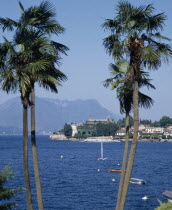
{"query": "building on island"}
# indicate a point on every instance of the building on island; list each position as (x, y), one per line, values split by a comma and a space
(89, 128)
(74, 129)
(95, 121)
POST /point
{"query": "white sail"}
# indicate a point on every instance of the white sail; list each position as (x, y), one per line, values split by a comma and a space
(101, 149)
(102, 158)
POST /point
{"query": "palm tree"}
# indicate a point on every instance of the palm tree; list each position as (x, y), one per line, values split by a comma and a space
(124, 95)
(40, 18)
(19, 65)
(135, 32)
(118, 81)
(13, 78)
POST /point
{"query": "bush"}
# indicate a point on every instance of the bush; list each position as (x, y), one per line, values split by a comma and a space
(6, 193)
(164, 206)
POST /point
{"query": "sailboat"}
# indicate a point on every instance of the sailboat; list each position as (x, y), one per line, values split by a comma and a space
(102, 158)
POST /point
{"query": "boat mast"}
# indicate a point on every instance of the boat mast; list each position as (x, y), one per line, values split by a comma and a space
(101, 149)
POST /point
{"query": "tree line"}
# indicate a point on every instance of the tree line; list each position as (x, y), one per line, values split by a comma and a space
(99, 129)
(110, 129)
(164, 122)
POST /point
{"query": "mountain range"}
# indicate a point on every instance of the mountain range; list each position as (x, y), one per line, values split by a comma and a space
(51, 114)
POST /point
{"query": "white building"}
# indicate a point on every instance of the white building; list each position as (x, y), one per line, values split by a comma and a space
(74, 129)
(169, 127)
(120, 133)
(154, 130)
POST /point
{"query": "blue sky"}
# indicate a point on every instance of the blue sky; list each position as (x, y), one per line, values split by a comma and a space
(87, 62)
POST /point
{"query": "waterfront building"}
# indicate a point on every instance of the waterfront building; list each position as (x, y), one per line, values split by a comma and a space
(120, 133)
(89, 128)
(154, 129)
(96, 121)
(74, 127)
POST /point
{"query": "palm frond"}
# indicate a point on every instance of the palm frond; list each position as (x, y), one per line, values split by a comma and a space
(21, 7)
(113, 46)
(9, 82)
(60, 47)
(113, 26)
(145, 101)
(48, 86)
(108, 82)
(42, 18)
(160, 37)
(156, 22)
(8, 24)
(37, 66)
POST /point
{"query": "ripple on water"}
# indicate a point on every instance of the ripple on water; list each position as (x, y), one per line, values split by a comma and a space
(74, 182)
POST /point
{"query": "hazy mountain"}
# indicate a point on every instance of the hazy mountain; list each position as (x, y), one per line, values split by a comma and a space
(52, 114)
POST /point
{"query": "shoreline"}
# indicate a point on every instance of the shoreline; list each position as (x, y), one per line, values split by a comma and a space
(110, 141)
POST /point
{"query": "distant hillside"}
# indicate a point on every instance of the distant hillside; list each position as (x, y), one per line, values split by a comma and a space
(52, 114)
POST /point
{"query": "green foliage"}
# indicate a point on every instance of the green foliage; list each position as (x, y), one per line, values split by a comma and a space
(165, 121)
(155, 136)
(156, 124)
(87, 130)
(164, 206)
(145, 136)
(31, 56)
(145, 122)
(108, 129)
(121, 122)
(67, 130)
(80, 136)
(166, 137)
(6, 193)
(130, 135)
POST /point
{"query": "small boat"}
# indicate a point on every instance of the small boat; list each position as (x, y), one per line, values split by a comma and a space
(145, 198)
(137, 181)
(101, 158)
(117, 171)
(168, 195)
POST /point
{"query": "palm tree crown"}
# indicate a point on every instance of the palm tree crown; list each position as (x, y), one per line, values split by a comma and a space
(135, 32)
(124, 87)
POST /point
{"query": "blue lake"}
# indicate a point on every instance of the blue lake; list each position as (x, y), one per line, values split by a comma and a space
(74, 182)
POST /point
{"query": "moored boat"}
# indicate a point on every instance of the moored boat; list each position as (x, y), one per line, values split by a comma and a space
(137, 181)
(168, 195)
(117, 171)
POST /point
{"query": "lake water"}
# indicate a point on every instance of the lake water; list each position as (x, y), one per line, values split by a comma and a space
(74, 182)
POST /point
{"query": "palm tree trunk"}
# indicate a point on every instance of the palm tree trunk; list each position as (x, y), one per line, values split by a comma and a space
(124, 162)
(25, 159)
(133, 147)
(34, 153)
